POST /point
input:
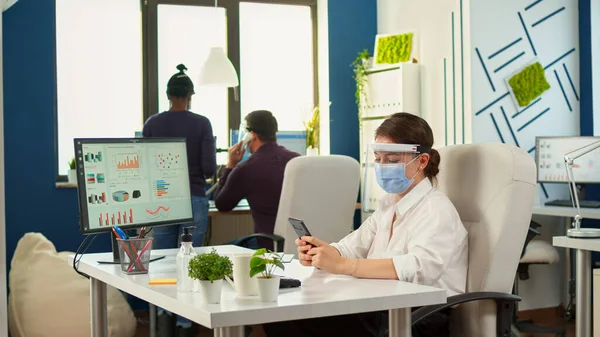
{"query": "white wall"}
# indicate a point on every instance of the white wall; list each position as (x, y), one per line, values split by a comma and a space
(323, 80)
(495, 24)
(3, 312)
(432, 23)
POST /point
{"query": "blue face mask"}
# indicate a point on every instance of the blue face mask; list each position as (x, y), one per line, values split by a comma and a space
(392, 177)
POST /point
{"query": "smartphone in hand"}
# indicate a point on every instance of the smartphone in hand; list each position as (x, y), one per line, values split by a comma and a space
(300, 228)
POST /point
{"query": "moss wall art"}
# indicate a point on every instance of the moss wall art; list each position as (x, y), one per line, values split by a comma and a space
(394, 49)
(529, 84)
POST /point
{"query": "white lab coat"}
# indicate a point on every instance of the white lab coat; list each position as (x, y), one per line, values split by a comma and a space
(429, 242)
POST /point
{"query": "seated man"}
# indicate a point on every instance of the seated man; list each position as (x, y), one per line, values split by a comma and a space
(258, 179)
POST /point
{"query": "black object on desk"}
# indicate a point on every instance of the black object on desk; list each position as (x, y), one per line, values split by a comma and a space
(569, 203)
(284, 282)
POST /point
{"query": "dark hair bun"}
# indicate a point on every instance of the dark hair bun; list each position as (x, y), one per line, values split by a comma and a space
(181, 68)
(433, 168)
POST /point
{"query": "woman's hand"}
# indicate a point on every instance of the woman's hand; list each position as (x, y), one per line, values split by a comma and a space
(319, 254)
(303, 256)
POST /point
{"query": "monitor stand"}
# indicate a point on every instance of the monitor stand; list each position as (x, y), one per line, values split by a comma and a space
(115, 251)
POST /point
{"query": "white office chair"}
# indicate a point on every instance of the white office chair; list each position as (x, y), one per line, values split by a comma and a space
(492, 186)
(322, 191)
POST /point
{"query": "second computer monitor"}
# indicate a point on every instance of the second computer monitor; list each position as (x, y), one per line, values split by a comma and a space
(291, 140)
(549, 157)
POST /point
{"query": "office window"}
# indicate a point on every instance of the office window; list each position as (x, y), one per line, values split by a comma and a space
(185, 35)
(277, 65)
(99, 64)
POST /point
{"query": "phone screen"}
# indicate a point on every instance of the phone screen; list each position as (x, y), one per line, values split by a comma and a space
(299, 227)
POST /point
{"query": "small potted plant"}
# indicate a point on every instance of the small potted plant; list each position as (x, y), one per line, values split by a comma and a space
(265, 263)
(72, 174)
(209, 269)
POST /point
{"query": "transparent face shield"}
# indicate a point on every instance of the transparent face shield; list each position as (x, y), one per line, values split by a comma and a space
(388, 169)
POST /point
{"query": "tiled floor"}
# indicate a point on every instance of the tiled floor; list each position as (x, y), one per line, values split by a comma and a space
(548, 317)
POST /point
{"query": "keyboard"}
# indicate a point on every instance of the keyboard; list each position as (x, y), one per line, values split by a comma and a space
(569, 203)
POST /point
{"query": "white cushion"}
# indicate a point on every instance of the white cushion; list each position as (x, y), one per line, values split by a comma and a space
(539, 252)
(48, 298)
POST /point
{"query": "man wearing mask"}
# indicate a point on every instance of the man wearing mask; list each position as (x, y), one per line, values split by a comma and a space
(259, 179)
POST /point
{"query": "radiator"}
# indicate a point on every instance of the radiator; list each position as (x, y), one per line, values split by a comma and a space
(227, 227)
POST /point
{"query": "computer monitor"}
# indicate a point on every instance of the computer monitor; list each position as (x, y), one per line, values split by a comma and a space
(132, 182)
(291, 140)
(549, 158)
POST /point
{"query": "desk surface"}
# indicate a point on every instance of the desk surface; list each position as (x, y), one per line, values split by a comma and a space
(321, 294)
(586, 213)
(575, 243)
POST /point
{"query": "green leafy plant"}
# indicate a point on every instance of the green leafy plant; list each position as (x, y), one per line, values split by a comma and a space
(360, 76)
(529, 84)
(209, 267)
(72, 164)
(312, 129)
(394, 48)
(265, 262)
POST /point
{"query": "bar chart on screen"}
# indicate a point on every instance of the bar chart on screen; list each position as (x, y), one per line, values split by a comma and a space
(161, 188)
(116, 218)
(127, 161)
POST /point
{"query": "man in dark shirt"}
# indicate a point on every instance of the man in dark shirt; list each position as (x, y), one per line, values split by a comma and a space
(259, 179)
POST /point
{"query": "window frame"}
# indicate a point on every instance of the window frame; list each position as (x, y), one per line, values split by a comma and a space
(149, 13)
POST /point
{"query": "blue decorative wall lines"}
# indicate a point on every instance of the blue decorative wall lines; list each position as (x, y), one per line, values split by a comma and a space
(508, 35)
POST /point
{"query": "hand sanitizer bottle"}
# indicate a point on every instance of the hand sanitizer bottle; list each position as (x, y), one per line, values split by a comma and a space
(186, 253)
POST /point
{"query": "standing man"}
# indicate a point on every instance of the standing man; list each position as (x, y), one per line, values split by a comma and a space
(179, 121)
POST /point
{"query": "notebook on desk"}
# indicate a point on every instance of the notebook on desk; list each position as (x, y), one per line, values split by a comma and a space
(569, 203)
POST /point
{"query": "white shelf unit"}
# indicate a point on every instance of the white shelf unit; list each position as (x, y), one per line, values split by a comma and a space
(388, 91)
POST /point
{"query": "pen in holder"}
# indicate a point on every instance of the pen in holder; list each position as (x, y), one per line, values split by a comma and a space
(134, 255)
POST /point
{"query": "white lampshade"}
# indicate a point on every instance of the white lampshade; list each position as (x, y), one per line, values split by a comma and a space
(218, 70)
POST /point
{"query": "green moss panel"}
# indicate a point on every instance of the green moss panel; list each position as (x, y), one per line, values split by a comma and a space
(529, 84)
(394, 49)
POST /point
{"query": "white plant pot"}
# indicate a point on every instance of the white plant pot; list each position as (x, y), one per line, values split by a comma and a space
(211, 292)
(312, 151)
(268, 289)
(72, 176)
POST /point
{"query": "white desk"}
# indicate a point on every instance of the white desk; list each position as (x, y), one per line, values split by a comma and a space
(566, 212)
(321, 294)
(583, 247)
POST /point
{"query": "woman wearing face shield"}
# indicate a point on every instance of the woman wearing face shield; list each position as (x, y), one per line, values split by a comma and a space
(414, 235)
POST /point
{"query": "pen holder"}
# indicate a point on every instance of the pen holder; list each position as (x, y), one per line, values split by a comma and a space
(134, 255)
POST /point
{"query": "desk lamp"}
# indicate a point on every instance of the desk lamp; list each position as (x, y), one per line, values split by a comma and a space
(577, 231)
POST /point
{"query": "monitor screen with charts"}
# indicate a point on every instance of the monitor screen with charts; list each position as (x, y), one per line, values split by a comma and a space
(132, 182)
(549, 158)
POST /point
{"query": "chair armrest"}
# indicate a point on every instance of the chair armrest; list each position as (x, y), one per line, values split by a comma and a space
(279, 240)
(504, 302)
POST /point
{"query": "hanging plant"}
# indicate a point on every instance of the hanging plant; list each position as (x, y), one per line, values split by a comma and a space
(359, 66)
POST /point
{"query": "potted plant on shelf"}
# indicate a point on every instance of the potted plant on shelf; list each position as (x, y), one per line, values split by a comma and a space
(312, 133)
(209, 269)
(265, 263)
(360, 65)
(72, 174)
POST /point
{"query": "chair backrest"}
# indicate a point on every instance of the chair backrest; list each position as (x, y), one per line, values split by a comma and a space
(322, 191)
(492, 186)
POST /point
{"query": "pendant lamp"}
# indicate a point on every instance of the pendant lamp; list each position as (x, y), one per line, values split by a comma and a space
(218, 69)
